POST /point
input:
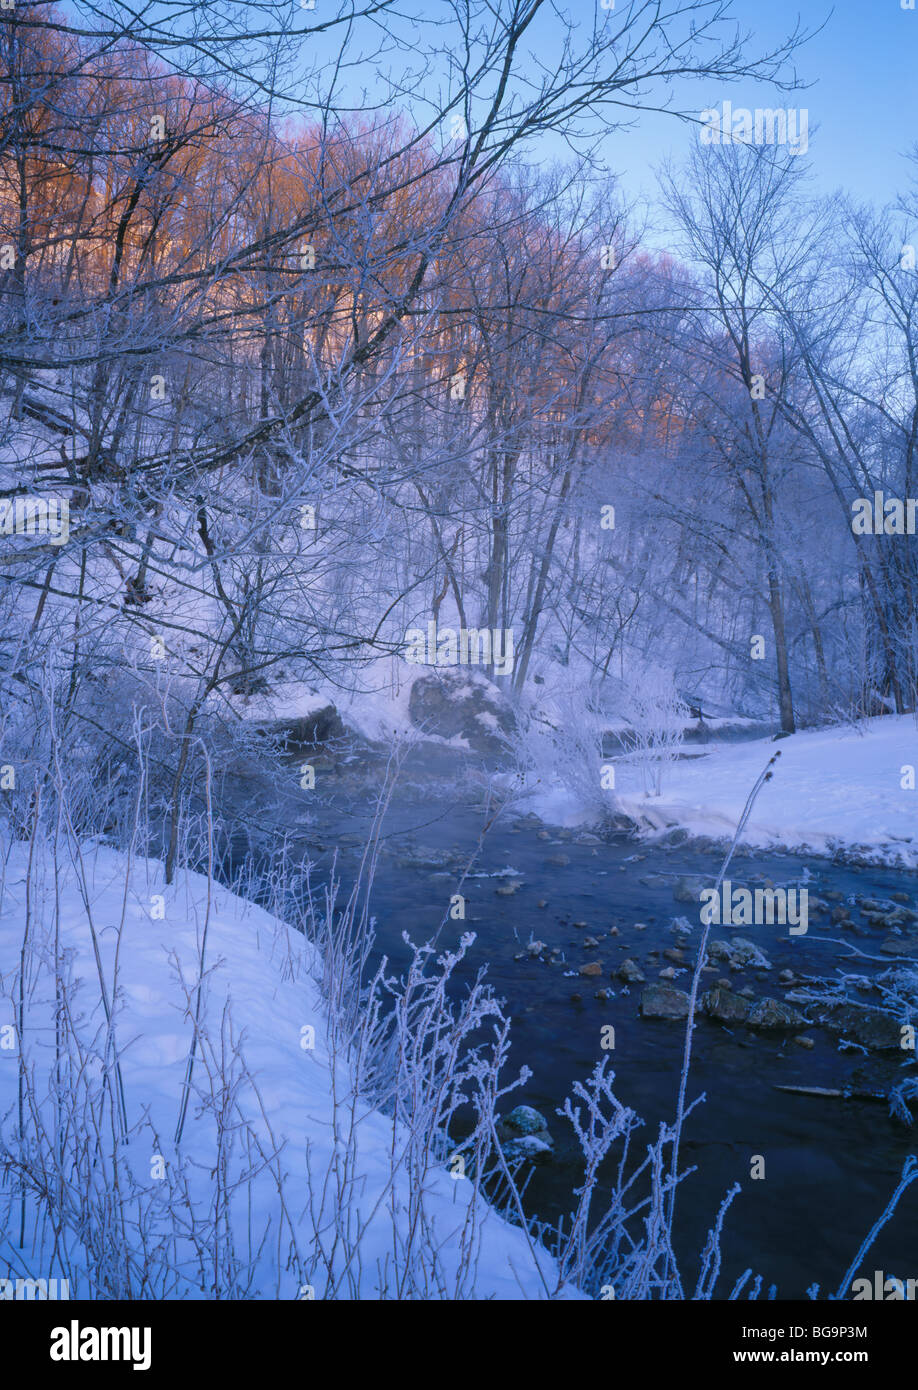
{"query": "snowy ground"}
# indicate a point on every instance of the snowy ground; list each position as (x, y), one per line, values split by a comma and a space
(261, 1067)
(833, 788)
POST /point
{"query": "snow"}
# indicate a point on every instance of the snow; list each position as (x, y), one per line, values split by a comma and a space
(260, 997)
(834, 788)
(831, 789)
(377, 708)
(288, 700)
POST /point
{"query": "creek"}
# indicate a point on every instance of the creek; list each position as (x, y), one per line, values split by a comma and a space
(830, 1163)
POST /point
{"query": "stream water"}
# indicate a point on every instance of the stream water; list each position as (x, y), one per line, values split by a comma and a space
(830, 1163)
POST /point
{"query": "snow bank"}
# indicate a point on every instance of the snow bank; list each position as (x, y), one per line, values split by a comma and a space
(832, 788)
(263, 1028)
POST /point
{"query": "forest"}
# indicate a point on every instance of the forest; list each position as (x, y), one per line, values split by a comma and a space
(334, 353)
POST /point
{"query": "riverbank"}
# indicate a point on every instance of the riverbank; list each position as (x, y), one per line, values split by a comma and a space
(281, 1182)
(847, 792)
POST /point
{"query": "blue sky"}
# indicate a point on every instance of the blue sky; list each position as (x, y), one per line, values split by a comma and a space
(861, 71)
(863, 97)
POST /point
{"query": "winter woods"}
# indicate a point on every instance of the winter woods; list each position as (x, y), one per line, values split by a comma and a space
(307, 375)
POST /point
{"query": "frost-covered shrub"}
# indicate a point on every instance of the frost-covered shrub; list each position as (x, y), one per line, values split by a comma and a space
(656, 717)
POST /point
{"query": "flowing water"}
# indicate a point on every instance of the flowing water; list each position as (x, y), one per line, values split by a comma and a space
(830, 1163)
